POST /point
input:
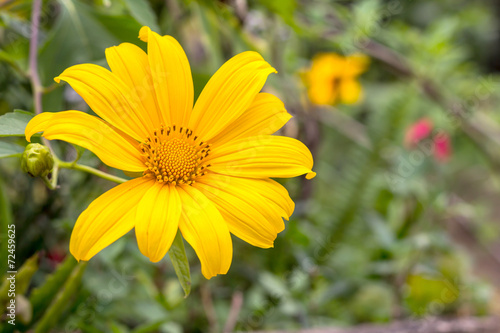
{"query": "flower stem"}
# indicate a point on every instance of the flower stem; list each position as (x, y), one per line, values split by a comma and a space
(52, 182)
(85, 168)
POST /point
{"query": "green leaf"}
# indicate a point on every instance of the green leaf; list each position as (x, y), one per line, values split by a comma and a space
(76, 37)
(283, 8)
(142, 12)
(6, 219)
(22, 279)
(25, 274)
(150, 327)
(8, 149)
(14, 123)
(116, 327)
(180, 262)
(62, 300)
(123, 28)
(42, 296)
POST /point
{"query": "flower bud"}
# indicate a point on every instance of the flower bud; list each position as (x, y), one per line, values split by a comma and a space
(37, 160)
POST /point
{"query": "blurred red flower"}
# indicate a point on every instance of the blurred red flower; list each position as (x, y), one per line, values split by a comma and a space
(422, 129)
(417, 132)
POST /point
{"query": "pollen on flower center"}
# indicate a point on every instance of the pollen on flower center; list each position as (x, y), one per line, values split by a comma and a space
(175, 156)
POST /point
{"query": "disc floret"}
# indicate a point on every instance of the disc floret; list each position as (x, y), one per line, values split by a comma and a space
(175, 156)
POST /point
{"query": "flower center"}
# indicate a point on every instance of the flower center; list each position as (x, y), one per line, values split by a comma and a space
(175, 156)
(336, 83)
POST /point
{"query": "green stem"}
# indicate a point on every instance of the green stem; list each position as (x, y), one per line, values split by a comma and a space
(50, 182)
(85, 168)
(63, 300)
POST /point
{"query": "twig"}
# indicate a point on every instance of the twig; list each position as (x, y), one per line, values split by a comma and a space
(208, 306)
(345, 125)
(36, 85)
(389, 57)
(312, 139)
(241, 9)
(234, 312)
(38, 91)
(35, 79)
(174, 9)
(465, 225)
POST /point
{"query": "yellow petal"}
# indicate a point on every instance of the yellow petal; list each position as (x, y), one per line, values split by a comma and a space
(91, 133)
(157, 220)
(264, 156)
(172, 77)
(323, 93)
(107, 218)
(203, 227)
(144, 34)
(229, 93)
(130, 63)
(109, 97)
(325, 70)
(271, 190)
(326, 66)
(356, 64)
(253, 208)
(266, 115)
(350, 91)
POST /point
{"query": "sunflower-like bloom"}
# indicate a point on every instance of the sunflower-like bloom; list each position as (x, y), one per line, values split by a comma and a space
(204, 169)
(332, 78)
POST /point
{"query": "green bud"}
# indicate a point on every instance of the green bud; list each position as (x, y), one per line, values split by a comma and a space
(37, 160)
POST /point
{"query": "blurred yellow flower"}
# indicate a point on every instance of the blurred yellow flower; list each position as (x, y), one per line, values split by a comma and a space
(205, 169)
(332, 78)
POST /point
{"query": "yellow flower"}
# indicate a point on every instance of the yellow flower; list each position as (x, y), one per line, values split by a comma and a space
(205, 169)
(332, 78)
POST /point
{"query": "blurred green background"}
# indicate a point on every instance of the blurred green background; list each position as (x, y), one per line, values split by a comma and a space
(383, 233)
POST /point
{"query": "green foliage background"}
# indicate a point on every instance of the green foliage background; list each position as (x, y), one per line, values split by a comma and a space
(371, 239)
